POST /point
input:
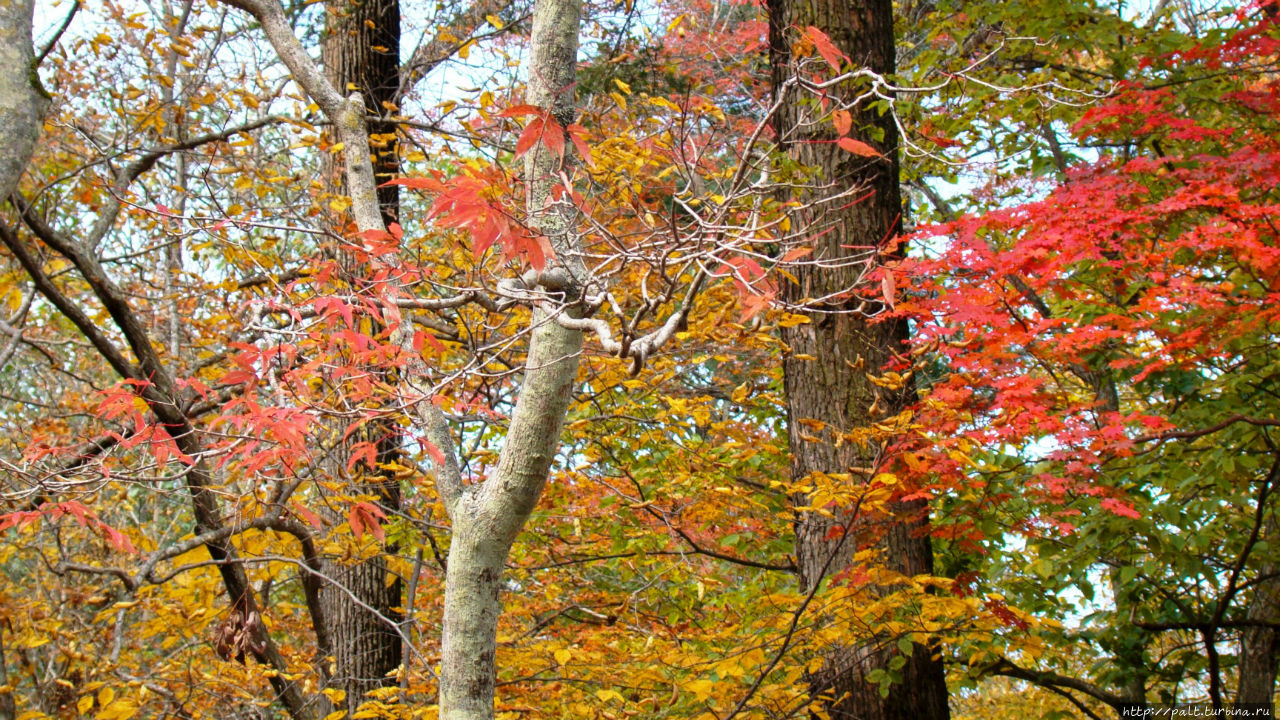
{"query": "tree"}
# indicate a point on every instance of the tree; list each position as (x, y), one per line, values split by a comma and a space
(835, 361)
(252, 427)
(361, 52)
(565, 359)
(21, 107)
(1118, 408)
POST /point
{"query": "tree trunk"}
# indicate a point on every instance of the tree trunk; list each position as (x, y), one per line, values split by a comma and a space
(1260, 646)
(22, 100)
(363, 601)
(829, 359)
(361, 53)
(488, 516)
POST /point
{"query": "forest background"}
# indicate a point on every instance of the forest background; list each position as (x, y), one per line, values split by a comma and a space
(679, 359)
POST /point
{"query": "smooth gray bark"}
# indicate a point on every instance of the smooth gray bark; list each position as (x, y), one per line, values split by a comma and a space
(487, 517)
(22, 100)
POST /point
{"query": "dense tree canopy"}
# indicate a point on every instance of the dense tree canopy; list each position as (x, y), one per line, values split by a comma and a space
(682, 359)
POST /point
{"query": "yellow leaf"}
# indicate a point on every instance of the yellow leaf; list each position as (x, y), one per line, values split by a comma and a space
(607, 695)
(465, 50)
(563, 656)
(664, 103)
(622, 86)
(105, 696)
(85, 704)
(118, 710)
(700, 688)
(494, 21)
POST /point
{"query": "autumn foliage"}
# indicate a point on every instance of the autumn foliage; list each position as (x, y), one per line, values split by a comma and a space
(195, 379)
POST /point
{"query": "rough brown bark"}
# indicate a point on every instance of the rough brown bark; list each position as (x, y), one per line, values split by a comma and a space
(361, 53)
(363, 601)
(826, 370)
(1260, 646)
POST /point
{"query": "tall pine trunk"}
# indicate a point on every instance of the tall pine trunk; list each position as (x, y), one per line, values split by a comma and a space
(826, 369)
(363, 601)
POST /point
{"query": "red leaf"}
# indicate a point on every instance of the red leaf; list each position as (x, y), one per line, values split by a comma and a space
(366, 451)
(1119, 508)
(825, 47)
(857, 147)
(520, 111)
(118, 540)
(553, 136)
(529, 137)
(374, 235)
(577, 134)
(437, 456)
(754, 289)
(235, 377)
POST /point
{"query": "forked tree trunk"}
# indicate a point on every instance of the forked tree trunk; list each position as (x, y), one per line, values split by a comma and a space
(826, 370)
(363, 601)
(488, 516)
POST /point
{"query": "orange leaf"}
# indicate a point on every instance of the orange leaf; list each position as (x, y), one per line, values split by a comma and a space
(888, 288)
(306, 515)
(857, 147)
(364, 518)
(796, 254)
(843, 120)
